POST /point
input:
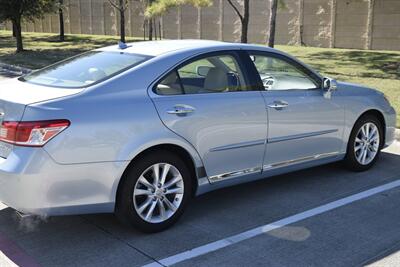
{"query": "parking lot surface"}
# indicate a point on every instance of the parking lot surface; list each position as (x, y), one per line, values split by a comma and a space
(359, 232)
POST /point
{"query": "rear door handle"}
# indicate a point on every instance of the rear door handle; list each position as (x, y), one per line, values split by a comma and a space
(279, 104)
(181, 110)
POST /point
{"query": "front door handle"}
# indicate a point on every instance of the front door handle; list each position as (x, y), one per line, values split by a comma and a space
(279, 104)
(181, 110)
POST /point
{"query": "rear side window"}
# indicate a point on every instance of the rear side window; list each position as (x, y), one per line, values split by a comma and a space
(84, 70)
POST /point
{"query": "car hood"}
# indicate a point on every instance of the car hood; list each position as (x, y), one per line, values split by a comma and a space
(357, 88)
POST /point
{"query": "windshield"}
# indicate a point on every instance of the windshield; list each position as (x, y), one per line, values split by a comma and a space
(85, 69)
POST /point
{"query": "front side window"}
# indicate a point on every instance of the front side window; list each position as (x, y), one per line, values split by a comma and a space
(214, 74)
(278, 74)
(85, 69)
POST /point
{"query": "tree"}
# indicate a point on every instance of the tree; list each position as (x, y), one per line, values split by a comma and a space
(61, 20)
(150, 21)
(272, 23)
(244, 18)
(160, 7)
(121, 6)
(16, 11)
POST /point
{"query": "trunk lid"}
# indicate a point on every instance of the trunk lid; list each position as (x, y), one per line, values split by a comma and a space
(15, 95)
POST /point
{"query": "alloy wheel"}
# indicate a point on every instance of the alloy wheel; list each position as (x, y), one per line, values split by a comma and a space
(366, 145)
(158, 193)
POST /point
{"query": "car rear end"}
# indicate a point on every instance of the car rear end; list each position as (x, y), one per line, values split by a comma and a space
(47, 107)
(22, 157)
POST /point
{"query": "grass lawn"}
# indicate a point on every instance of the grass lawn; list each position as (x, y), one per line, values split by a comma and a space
(43, 49)
(377, 69)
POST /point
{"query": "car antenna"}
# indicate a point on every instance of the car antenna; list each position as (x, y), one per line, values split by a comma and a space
(122, 45)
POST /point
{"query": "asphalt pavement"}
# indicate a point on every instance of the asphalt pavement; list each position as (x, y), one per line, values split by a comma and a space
(362, 231)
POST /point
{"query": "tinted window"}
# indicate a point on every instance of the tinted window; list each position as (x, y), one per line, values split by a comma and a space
(85, 69)
(215, 74)
(278, 74)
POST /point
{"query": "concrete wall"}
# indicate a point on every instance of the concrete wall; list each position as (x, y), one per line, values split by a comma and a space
(363, 24)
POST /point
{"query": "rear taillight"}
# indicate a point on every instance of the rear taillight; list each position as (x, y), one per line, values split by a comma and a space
(32, 133)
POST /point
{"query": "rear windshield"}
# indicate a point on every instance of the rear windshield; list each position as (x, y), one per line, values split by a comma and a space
(85, 69)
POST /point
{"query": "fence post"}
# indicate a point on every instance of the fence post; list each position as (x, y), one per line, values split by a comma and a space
(370, 24)
(333, 23)
(179, 22)
(91, 16)
(221, 20)
(199, 22)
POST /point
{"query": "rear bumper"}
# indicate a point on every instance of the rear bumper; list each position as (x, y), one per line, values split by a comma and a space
(33, 183)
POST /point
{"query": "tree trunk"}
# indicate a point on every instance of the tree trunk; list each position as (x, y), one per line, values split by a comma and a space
(301, 22)
(18, 35)
(61, 21)
(272, 23)
(150, 25)
(122, 20)
(245, 21)
(14, 31)
(150, 21)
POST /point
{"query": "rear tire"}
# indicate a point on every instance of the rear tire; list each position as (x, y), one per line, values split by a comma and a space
(154, 192)
(365, 144)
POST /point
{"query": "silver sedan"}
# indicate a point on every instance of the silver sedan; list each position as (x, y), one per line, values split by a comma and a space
(140, 129)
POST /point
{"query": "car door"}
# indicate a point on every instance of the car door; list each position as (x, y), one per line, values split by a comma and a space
(303, 125)
(208, 101)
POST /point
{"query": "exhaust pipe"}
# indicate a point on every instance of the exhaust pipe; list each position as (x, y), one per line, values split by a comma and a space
(23, 216)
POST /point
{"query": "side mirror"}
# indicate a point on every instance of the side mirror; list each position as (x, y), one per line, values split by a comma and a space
(329, 85)
(202, 71)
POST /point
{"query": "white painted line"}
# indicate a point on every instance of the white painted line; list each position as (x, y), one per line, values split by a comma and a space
(5, 261)
(210, 247)
(2, 206)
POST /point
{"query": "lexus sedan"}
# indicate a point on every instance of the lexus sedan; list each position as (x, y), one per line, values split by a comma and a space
(140, 129)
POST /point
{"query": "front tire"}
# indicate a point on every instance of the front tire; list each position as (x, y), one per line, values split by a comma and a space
(154, 192)
(365, 144)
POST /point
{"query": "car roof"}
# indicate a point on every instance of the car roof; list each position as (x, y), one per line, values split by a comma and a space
(157, 48)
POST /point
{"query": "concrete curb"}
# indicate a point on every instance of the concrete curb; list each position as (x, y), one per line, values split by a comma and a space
(13, 70)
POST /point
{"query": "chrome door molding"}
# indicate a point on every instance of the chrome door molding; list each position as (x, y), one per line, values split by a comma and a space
(299, 136)
(230, 175)
(239, 145)
(299, 160)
